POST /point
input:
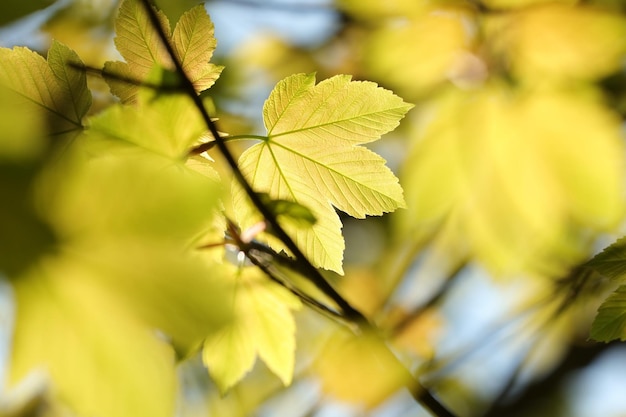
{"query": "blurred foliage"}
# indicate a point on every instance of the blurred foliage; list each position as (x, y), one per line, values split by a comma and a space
(512, 165)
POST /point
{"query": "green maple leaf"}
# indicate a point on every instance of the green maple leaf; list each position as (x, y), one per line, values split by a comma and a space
(311, 157)
(610, 322)
(138, 42)
(262, 324)
(611, 262)
(55, 90)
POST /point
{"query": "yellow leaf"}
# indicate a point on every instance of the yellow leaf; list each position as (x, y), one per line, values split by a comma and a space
(514, 177)
(140, 45)
(310, 157)
(560, 42)
(359, 369)
(262, 324)
(420, 53)
(194, 42)
(516, 4)
(102, 361)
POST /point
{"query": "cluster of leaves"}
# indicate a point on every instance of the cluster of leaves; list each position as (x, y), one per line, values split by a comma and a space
(125, 243)
(108, 213)
(514, 155)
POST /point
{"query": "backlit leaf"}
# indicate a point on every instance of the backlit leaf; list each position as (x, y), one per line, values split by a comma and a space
(310, 157)
(194, 43)
(140, 45)
(262, 325)
(55, 89)
(610, 323)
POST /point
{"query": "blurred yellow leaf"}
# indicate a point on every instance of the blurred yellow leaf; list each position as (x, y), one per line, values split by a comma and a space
(262, 324)
(419, 53)
(376, 10)
(514, 4)
(561, 42)
(418, 335)
(514, 177)
(359, 369)
(102, 361)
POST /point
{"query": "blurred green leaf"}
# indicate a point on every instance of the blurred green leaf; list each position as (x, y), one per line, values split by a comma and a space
(293, 211)
(610, 322)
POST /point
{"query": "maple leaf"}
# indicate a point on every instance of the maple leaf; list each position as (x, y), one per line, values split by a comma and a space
(262, 324)
(311, 157)
(610, 322)
(139, 44)
(55, 89)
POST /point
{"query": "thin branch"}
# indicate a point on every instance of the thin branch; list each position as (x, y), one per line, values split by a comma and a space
(349, 313)
(211, 144)
(313, 274)
(433, 301)
(128, 80)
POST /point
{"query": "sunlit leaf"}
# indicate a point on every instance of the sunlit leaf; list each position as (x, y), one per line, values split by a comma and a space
(56, 89)
(262, 325)
(194, 42)
(310, 156)
(137, 40)
(139, 43)
(610, 323)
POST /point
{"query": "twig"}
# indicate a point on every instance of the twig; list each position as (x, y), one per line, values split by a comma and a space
(349, 313)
